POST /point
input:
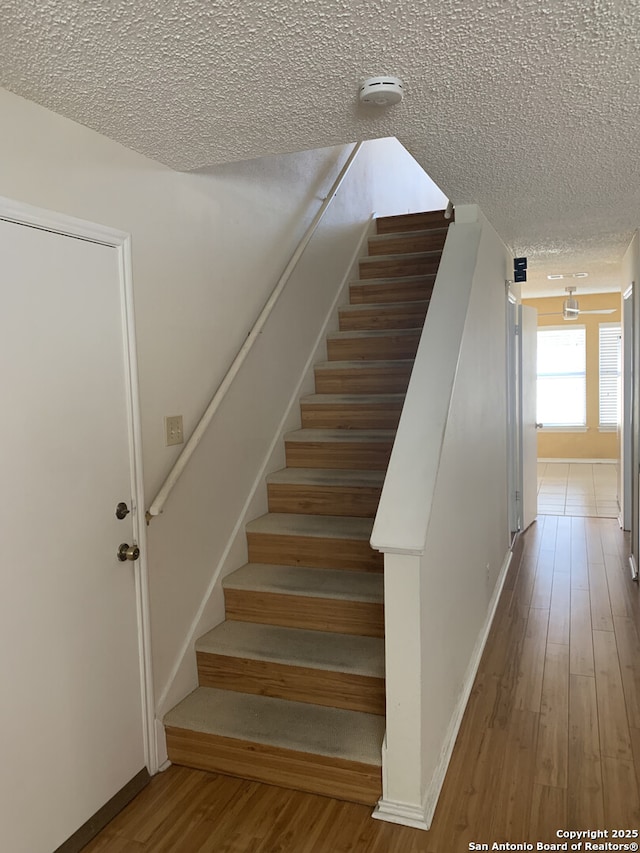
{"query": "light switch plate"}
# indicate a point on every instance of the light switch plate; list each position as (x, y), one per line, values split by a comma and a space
(173, 430)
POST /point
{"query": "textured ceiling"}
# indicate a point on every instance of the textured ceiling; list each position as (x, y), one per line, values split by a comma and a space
(527, 107)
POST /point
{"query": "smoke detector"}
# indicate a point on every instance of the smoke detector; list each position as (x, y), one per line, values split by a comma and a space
(381, 91)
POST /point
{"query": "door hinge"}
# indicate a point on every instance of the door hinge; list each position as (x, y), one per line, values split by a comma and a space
(517, 329)
(518, 497)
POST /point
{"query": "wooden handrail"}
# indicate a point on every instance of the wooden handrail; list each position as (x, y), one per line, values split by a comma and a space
(196, 436)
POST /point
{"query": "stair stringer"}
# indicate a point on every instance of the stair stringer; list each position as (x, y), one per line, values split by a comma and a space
(183, 677)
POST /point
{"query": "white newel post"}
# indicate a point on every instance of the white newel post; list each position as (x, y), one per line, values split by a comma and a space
(402, 782)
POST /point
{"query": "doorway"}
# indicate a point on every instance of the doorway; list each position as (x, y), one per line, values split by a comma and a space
(578, 411)
(74, 641)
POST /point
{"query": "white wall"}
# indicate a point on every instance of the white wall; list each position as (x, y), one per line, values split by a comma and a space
(208, 248)
(440, 591)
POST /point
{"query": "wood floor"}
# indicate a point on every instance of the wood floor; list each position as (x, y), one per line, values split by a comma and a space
(550, 739)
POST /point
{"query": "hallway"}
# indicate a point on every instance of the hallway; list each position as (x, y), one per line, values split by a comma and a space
(550, 739)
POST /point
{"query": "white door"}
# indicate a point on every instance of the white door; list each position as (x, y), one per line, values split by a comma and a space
(529, 445)
(71, 716)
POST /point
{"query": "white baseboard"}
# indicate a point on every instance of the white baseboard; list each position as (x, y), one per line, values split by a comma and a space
(578, 461)
(400, 813)
(421, 817)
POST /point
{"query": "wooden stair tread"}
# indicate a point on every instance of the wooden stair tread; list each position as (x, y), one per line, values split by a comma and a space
(327, 477)
(422, 278)
(307, 581)
(368, 364)
(365, 334)
(352, 399)
(297, 726)
(373, 344)
(365, 316)
(407, 242)
(363, 376)
(362, 410)
(417, 232)
(364, 449)
(340, 435)
(411, 221)
(399, 289)
(380, 291)
(400, 264)
(313, 526)
(298, 596)
(417, 305)
(328, 489)
(404, 256)
(322, 541)
(296, 647)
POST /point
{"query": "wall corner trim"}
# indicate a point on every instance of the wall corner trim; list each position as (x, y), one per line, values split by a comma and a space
(404, 814)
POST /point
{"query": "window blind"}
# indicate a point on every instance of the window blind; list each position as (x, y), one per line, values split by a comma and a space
(609, 389)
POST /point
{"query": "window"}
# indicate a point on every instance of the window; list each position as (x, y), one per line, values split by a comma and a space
(562, 380)
(609, 395)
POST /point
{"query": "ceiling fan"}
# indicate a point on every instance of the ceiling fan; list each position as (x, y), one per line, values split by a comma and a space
(571, 310)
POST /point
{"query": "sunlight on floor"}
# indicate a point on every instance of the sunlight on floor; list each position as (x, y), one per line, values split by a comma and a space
(581, 489)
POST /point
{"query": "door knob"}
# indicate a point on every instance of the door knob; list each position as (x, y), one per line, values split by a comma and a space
(539, 426)
(128, 552)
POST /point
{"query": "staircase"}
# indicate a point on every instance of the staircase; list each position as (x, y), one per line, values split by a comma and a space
(292, 683)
